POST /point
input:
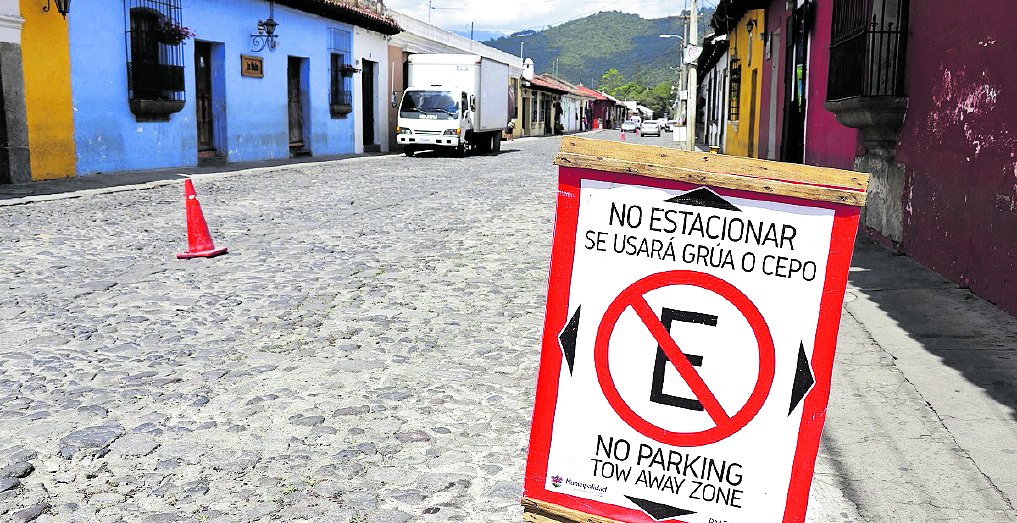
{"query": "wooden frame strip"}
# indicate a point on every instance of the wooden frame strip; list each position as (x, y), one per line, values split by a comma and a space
(537, 511)
(732, 172)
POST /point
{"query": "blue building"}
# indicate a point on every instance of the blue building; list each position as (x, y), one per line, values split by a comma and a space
(173, 83)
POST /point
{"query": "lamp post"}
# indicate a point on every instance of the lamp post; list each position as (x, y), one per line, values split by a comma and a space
(692, 95)
(681, 78)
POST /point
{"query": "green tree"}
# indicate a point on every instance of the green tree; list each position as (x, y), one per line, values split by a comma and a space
(610, 81)
(659, 99)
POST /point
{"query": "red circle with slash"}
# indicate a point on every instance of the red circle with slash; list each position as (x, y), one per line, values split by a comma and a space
(634, 296)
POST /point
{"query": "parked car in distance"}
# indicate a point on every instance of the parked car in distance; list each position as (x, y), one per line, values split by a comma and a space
(650, 127)
(666, 125)
(628, 127)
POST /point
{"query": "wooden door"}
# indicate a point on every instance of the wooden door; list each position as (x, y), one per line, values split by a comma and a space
(296, 103)
(203, 95)
(792, 146)
(369, 103)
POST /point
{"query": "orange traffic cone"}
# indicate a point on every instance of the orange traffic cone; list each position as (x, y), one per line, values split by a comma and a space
(199, 241)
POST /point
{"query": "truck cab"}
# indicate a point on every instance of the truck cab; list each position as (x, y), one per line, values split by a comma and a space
(433, 117)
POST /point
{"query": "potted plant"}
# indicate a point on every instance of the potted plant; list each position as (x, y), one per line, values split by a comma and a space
(347, 70)
(169, 33)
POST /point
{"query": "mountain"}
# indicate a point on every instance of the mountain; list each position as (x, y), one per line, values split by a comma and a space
(583, 50)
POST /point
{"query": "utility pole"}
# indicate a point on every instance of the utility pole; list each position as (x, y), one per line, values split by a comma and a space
(692, 95)
(521, 42)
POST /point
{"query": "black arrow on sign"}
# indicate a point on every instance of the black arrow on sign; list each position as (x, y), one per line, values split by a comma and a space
(703, 197)
(567, 339)
(803, 379)
(659, 511)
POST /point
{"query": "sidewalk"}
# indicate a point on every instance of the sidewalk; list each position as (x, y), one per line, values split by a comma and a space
(921, 424)
(15, 194)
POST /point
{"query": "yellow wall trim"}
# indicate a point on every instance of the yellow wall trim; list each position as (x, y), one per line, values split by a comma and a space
(50, 109)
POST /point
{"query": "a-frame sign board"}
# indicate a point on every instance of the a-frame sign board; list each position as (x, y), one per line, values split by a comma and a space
(692, 316)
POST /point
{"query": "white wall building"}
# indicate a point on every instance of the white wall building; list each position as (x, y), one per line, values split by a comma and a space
(714, 88)
(372, 58)
(574, 107)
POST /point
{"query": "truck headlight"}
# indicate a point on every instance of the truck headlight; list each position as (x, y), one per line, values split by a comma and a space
(452, 131)
(404, 130)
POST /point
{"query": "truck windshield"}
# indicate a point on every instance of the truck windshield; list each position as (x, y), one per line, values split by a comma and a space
(431, 105)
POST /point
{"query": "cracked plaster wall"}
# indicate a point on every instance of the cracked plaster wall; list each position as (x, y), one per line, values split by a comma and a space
(957, 148)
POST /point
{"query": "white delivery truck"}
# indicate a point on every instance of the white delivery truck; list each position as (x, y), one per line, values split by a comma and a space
(454, 101)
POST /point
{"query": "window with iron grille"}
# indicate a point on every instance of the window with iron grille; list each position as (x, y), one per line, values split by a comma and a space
(735, 91)
(341, 85)
(155, 59)
(868, 42)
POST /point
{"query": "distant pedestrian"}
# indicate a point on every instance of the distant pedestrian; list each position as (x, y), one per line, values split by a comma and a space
(510, 129)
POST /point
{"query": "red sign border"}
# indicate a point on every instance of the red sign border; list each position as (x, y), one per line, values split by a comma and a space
(845, 226)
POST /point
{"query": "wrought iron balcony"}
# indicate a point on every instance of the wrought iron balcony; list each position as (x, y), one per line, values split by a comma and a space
(866, 87)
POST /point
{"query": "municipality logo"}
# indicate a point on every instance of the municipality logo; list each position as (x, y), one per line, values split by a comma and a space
(556, 481)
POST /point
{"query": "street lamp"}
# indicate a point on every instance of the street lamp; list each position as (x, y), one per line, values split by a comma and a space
(682, 77)
(266, 31)
(63, 7)
(692, 82)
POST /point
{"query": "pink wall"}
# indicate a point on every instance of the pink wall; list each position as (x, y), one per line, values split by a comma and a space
(827, 143)
(958, 145)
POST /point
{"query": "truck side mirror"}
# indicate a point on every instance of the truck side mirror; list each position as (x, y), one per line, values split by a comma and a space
(473, 103)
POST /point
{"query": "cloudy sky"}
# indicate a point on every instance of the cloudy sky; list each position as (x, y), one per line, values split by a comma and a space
(517, 15)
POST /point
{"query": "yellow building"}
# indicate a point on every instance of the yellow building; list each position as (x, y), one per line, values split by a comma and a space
(48, 106)
(745, 68)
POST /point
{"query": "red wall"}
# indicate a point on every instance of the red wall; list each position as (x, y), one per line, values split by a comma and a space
(827, 143)
(958, 144)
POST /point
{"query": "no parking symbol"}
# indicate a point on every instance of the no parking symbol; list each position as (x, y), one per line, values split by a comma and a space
(725, 424)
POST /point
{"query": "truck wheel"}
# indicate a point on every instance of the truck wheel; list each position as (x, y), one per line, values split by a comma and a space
(497, 141)
(460, 150)
(408, 150)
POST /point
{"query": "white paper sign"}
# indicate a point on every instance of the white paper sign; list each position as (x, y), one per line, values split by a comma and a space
(691, 314)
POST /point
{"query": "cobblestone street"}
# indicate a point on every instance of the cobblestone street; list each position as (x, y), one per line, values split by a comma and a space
(366, 351)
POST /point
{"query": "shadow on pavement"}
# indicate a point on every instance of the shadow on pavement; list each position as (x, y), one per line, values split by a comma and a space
(967, 333)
